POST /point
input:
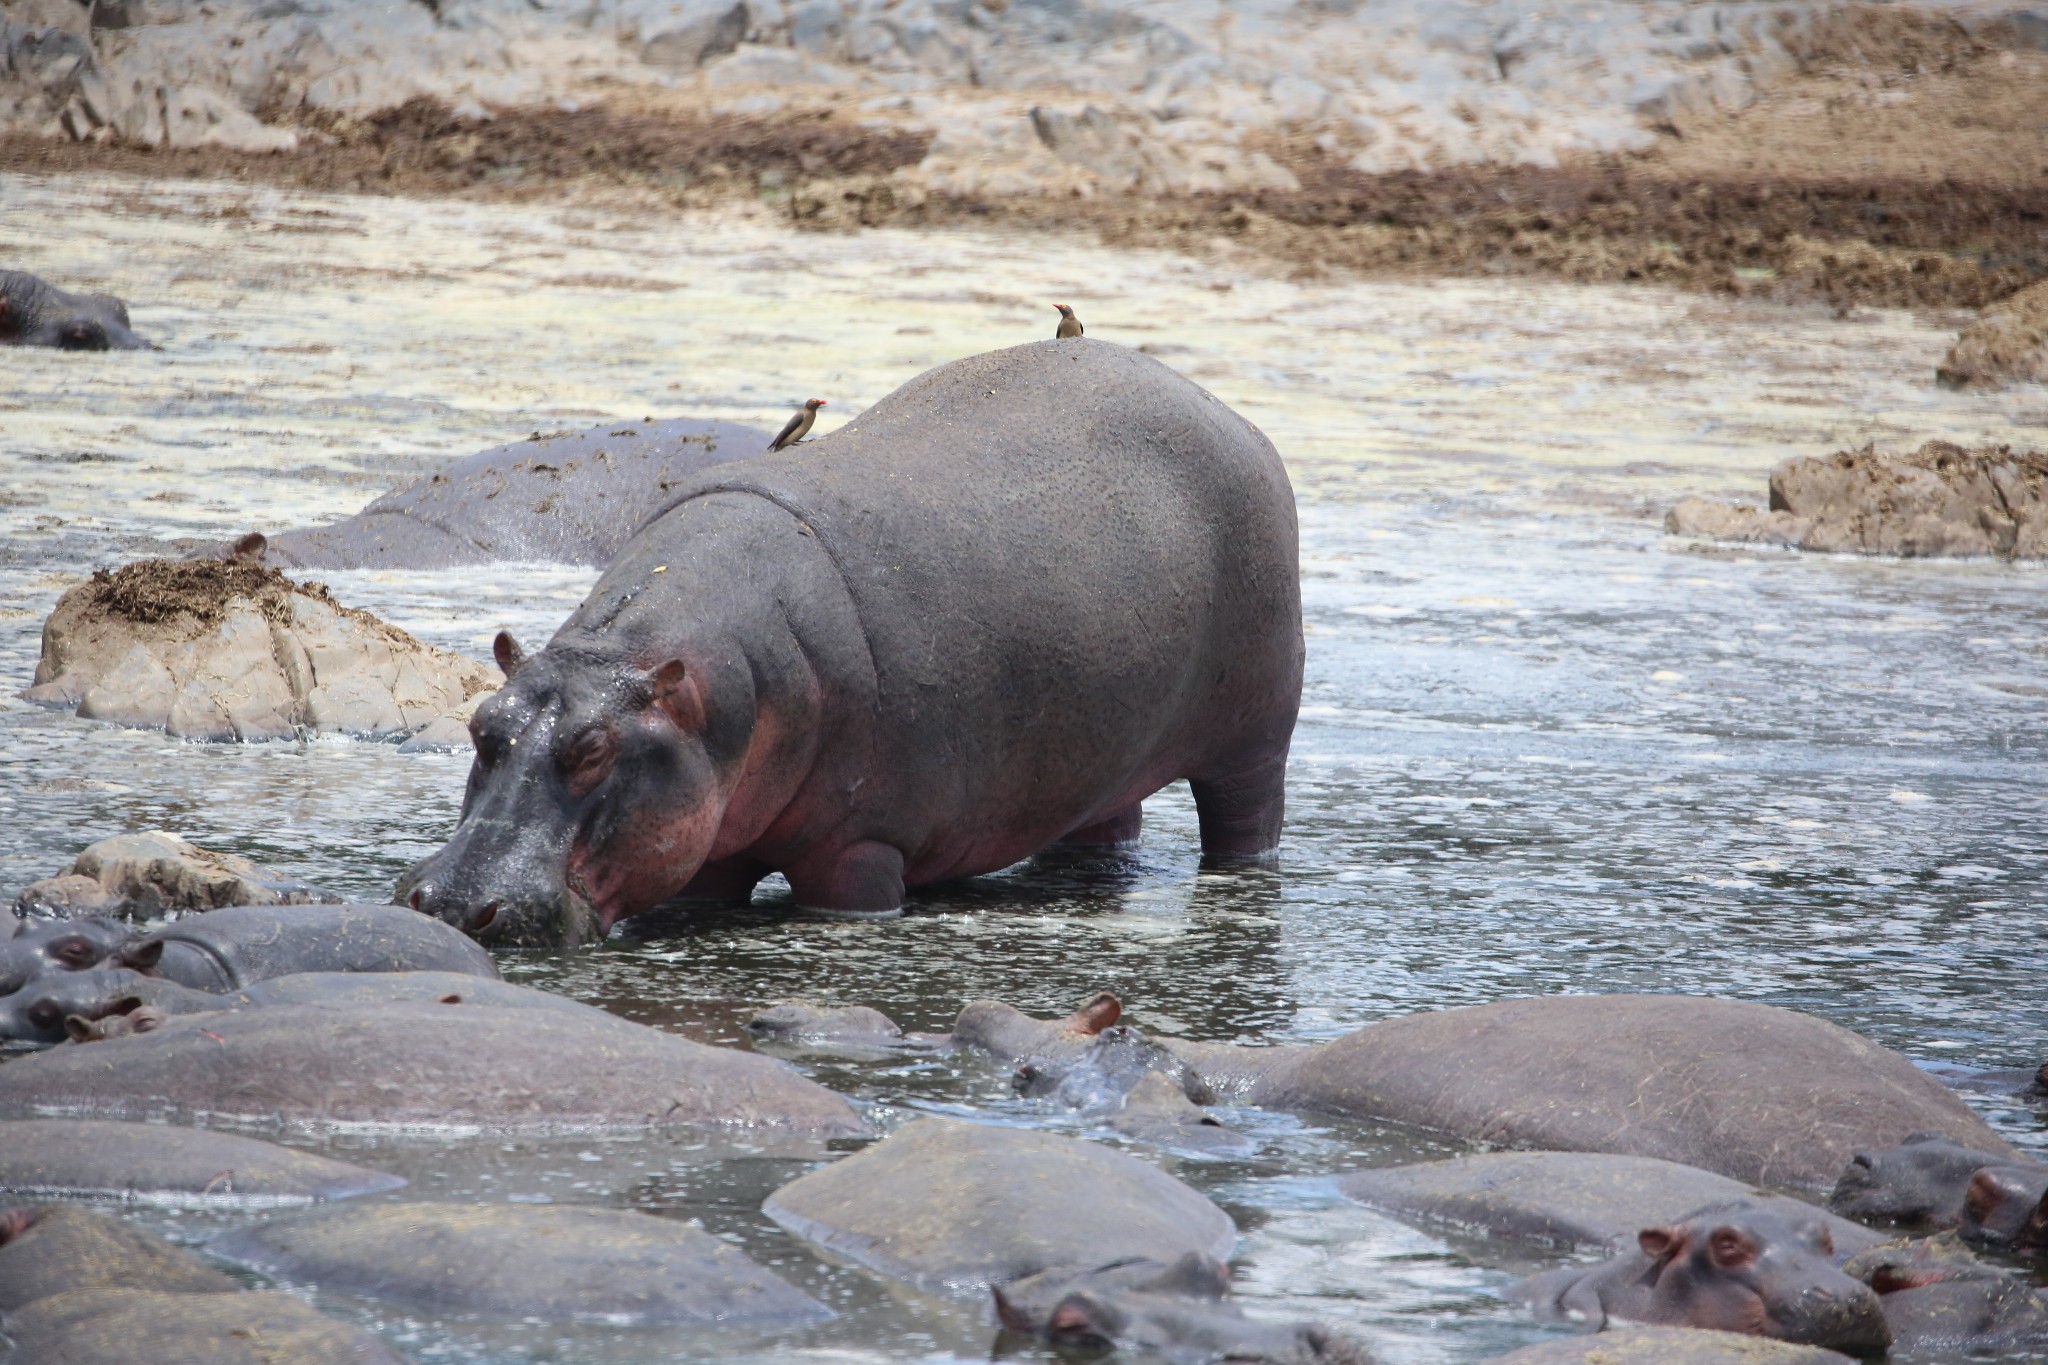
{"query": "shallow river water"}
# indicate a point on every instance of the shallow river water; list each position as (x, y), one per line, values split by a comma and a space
(1543, 747)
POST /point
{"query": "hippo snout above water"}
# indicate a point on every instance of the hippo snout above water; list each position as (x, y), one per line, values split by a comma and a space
(36, 313)
(994, 612)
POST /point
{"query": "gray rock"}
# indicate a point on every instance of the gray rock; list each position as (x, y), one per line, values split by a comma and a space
(569, 497)
(106, 1326)
(685, 36)
(155, 1164)
(945, 1205)
(154, 872)
(1669, 1346)
(413, 1067)
(555, 1263)
(1572, 1201)
(2008, 344)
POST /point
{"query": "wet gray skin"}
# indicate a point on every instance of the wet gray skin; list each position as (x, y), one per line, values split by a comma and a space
(1157, 1111)
(1918, 1184)
(224, 949)
(54, 1248)
(1638, 1345)
(36, 313)
(1938, 1298)
(568, 497)
(1179, 1312)
(2005, 1207)
(422, 1067)
(1734, 1268)
(110, 1326)
(1097, 1078)
(561, 1264)
(39, 946)
(157, 1164)
(1038, 1202)
(1575, 1201)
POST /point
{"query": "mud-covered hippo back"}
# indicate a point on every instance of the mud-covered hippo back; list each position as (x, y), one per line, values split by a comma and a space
(1028, 531)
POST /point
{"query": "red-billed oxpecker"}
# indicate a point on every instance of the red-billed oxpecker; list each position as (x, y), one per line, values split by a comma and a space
(798, 426)
(1070, 326)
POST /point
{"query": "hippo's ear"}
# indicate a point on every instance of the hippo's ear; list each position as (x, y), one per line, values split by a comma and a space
(677, 696)
(1085, 1321)
(1661, 1244)
(507, 652)
(1013, 1318)
(1100, 1012)
(1194, 1275)
(142, 957)
(78, 1028)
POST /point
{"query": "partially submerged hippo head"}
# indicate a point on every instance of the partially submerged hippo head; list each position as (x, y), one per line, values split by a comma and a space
(1181, 1311)
(38, 948)
(42, 1010)
(1918, 1183)
(1099, 1076)
(595, 794)
(34, 313)
(2006, 1207)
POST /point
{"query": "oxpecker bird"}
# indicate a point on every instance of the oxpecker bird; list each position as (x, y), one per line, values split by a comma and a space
(1070, 326)
(799, 425)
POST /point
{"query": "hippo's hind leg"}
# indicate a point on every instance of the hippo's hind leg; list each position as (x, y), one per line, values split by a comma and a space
(863, 879)
(1118, 831)
(1241, 809)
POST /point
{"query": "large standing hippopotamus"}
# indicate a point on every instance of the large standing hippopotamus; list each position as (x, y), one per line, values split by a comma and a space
(36, 313)
(995, 611)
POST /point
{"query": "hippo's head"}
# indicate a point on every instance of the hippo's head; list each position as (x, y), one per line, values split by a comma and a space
(39, 1011)
(58, 946)
(1739, 1268)
(2006, 1207)
(597, 790)
(1915, 1184)
(1105, 1071)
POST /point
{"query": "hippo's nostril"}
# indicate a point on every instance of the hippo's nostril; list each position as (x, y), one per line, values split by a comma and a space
(414, 899)
(485, 918)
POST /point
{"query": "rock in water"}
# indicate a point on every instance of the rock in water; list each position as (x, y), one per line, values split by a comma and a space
(228, 649)
(106, 1326)
(567, 497)
(94, 1158)
(2008, 344)
(413, 1067)
(559, 1264)
(1941, 500)
(145, 875)
(945, 1205)
(1750, 1091)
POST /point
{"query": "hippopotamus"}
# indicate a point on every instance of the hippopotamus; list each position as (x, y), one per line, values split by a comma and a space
(1572, 1201)
(113, 1326)
(947, 1205)
(52, 1248)
(36, 313)
(1158, 1112)
(1638, 1345)
(95, 1158)
(856, 1030)
(2006, 1208)
(1932, 1182)
(38, 947)
(556, 1264)
(1179, 1311)
(1729, 1268)
(1937, 1297)
(232, 947)
(993, 612)
(568, 497)
(404, 1067)
(93, 1006)
(1096, 1079)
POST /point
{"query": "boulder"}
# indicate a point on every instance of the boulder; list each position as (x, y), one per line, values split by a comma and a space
(106, 1326)
(421, 1067)
(1941, 500)
(149, 874)
(2008, 344)
(1575, 1201)
(1669, 1346)
(232, 650)
(149, 1162)
(946, 1205)
(554, 1263)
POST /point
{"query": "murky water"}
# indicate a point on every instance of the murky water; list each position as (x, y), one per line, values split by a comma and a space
(1542, 748)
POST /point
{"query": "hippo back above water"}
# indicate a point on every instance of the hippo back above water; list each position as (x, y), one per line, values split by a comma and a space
(996, 611)
(34, 312)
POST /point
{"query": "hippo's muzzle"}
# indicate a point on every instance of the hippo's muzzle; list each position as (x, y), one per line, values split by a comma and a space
(509, 896)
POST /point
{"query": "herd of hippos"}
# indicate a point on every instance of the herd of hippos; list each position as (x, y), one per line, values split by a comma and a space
(991, 614)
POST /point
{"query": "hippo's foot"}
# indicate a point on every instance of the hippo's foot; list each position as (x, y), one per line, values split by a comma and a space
(1118, 831)
(861, 881)
(1240, 811)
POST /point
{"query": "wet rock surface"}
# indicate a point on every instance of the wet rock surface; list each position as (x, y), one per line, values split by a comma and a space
(558, 1264)
(1039, 1202)
(2008, 344)
(154, 872)
(231, 650)
(79, 1158)
(1939, 501)
(569, 497)
(1567, 1200)
(421, 1068)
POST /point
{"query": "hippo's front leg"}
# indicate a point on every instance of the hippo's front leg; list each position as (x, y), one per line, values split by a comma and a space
(729, 881)
(861, 879)
(1240, 811)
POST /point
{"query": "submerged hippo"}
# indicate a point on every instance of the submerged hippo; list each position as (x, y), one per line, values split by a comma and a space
(96, 1158)
(38, 947)
(122, 1326)
(1179, 1311)
(1937, 1297)
(232, 947)
(558, 1264)
(1732, 1268)
(995, 611)
(1932, 1182)
(567, 497)
(52, 1248)
(1638, 1345)
(36, 313)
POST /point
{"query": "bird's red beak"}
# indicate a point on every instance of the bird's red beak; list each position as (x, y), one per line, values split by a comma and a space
(1059, 308)
(819, 401)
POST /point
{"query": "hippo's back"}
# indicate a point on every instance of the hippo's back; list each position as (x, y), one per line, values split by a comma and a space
(1071, 562)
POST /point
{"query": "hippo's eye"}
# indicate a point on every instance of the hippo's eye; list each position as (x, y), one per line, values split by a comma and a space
(76, 951)
(45, 1015)
(588, 760)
